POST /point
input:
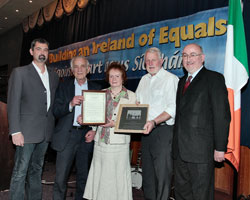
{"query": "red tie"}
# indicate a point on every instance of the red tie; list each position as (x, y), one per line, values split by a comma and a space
(187, 84)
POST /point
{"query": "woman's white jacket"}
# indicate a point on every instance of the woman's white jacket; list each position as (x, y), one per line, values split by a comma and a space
(118, 138)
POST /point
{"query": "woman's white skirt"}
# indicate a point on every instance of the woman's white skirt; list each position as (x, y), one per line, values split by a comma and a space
(110, 174)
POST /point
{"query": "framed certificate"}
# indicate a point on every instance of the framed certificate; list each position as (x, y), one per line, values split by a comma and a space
(131, 118)
(94, 107)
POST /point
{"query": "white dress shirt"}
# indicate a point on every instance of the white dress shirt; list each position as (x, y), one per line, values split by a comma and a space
(159, 91)
(45, 79)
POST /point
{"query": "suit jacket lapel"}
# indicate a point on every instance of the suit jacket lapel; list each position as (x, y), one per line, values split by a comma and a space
(71, 88)
(182, 83)
(193, 82)
(90, 86)
(35, 76)
(180, 97)
(183, 98)
(51, 80)
(197, 78)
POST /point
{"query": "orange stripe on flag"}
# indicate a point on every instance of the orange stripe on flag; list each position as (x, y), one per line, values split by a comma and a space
(233, 146)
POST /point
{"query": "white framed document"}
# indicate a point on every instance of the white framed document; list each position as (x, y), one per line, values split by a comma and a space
(94, 107)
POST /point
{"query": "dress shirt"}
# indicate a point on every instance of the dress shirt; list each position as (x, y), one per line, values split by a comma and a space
(194, 74)
(45, 79)
(159, 91)
(78, 108)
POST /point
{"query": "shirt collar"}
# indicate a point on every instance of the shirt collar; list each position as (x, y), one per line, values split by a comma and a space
(195, 73)
(38, 69)
(158, 74)
(77, 84)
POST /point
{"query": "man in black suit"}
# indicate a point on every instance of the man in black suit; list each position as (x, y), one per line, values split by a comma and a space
(201, 127)
(71, 140)
(31, 95)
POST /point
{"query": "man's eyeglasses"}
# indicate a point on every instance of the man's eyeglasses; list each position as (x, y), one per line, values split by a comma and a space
(192, 55)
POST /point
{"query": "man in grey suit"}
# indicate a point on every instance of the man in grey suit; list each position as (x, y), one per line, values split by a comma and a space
(201, 127)
(70, 139)
(30, 97)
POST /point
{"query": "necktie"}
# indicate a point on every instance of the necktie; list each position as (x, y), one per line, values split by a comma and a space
(187, 84)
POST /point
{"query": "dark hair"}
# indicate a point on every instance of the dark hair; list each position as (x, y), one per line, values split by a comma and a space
(118, 66)
(40, 40)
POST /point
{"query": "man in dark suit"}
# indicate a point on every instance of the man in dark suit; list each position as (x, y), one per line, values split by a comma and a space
(71, 140)
(201, 127)
(31, 122)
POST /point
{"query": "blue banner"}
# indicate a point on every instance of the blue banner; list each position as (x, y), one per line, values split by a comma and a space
(207, 28)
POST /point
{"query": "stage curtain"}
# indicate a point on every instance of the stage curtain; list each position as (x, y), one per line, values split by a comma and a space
(108, 16)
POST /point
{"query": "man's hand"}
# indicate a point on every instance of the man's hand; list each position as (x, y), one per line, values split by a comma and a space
(77, 100)
(219, 156)
(18, 139)
(90, 135)
(79, 119)
(148, 127)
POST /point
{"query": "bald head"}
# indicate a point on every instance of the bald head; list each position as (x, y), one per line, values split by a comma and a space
(192, 57)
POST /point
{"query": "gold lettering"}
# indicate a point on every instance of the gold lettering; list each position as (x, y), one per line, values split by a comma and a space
(163, 35)
(200, 30)
(113, 45)
(189, 35)
(131, 42)
(210, 27)
(121, 44)
(174, 36)
(221, 26)
(143, 40)
(103, 47)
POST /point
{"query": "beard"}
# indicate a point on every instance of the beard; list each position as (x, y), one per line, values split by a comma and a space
(42, 58)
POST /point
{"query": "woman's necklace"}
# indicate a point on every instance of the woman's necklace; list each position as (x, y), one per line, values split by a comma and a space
(114, 95)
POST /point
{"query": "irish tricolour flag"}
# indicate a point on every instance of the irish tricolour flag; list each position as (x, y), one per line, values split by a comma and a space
(236, 76)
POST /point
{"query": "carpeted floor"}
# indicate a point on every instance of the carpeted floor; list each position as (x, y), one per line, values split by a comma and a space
(48, 179)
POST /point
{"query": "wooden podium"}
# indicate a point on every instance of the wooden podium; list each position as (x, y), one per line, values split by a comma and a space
(243, 186)
(6, 150)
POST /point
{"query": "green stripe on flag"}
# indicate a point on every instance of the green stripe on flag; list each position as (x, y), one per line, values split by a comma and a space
(236, 20)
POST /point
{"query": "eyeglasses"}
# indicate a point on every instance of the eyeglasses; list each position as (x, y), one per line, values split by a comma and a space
(192, 55)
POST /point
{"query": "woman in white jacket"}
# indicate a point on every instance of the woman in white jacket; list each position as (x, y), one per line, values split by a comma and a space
(110, 174)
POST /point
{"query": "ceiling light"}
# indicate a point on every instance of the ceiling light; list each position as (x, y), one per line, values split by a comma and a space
(30, 1)
(17, 10)
(6, 18)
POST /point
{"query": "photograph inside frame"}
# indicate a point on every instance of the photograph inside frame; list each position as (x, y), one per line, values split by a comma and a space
(131, 118)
